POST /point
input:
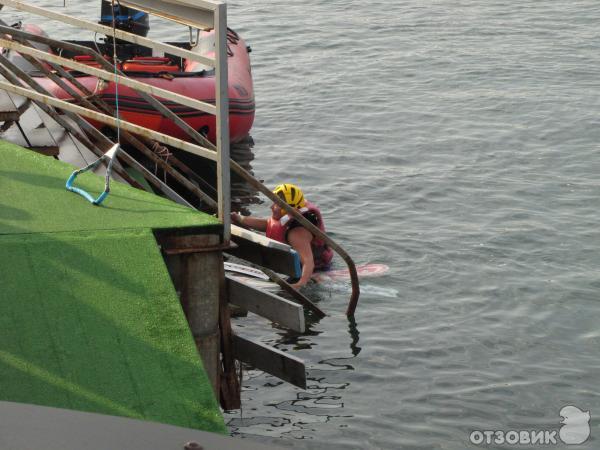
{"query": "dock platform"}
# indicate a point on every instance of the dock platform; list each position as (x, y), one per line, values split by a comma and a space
(89, 317)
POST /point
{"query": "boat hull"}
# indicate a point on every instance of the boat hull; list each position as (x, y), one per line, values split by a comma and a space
(192, 82)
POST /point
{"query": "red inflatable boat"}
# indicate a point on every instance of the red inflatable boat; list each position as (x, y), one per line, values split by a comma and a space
(174, 74)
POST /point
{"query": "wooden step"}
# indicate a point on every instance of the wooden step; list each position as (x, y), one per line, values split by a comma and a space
(12, 106)
(75, 152)
(271, 360)
(265, 252)
(265, 304)
(71, 150)
(37, 139)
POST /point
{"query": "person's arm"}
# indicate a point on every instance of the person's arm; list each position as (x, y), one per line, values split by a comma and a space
(300, 239)
(255, 223)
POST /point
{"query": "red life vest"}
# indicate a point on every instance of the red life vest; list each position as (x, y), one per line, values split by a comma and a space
(277, 230)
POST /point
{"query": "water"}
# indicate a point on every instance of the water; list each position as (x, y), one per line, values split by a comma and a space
(457, 142)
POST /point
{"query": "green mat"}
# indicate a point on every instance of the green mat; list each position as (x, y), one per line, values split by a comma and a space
(89, 319)
(34, 199)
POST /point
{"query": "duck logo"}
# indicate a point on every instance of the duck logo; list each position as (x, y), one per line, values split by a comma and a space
(575, 425)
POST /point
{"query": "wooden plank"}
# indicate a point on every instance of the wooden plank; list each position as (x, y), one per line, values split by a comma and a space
(46, 151)
(14, 135)
(71, 150)
(296, 295)
(103, 74)
(161, 137)
(258, 238)
(22, 103)
(12, 106)
(38, 139)
(30, 119)
(8, 109)
(265, 304)
(268, 359)
(280, 258)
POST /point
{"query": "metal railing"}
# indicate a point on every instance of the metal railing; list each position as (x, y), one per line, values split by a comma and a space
(200, 14)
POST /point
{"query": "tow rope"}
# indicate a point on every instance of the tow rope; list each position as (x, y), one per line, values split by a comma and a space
(111, 154)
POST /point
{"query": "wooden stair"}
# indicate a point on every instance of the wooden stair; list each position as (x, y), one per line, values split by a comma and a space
(12, 106)
(26, 125)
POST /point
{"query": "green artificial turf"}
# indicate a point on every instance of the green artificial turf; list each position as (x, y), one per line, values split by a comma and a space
(33, 199)
(89, 318)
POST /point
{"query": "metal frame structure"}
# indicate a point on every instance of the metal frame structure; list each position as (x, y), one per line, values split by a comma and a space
(201, 14)
(208, 315)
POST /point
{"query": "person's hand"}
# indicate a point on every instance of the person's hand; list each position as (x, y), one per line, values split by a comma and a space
(237, 218)
(297, 285)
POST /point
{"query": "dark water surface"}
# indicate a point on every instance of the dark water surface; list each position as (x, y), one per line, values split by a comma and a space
(457, 142)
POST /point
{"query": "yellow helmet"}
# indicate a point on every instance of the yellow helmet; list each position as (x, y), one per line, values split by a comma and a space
(290, 194)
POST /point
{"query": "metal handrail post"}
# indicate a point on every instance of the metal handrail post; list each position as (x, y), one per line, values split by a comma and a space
(222, 119)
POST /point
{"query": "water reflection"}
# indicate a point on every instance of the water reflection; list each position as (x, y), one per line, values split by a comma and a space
(354, 336)
(275, 409)
(286, 338)
(321, 402)
(292, 413)
(302, 341)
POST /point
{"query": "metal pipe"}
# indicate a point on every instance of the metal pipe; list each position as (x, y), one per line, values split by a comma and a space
(222, 120)
(294, 293)
(10, 76)
(144, 147)
(115, 78)
(75, 109)
(166, 112)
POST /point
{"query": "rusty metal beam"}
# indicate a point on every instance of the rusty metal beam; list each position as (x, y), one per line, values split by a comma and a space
(166, 112)
(105, 75)
(144, 147)
(101, 104)
(66, 106)
(296, 295)
(13, 73)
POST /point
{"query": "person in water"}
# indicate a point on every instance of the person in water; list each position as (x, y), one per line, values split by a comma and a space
(314, 253)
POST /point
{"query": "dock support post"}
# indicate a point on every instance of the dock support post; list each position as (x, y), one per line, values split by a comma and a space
(194, 263)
